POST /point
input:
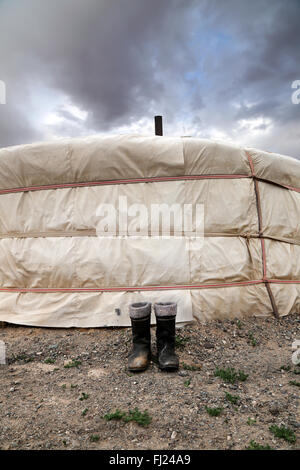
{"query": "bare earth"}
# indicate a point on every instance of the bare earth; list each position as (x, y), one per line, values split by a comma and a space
(45, 405)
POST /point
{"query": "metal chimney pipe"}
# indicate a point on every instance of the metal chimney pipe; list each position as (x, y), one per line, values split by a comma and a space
(158, 125)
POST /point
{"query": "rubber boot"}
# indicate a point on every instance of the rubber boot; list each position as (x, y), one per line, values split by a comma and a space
(140, 314)
(165, 335)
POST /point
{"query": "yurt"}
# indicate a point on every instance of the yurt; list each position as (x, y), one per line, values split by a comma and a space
(58, 269)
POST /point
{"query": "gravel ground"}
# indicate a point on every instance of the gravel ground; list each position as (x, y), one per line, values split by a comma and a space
(45, 405)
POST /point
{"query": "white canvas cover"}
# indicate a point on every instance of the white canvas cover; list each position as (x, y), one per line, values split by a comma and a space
(56, 271)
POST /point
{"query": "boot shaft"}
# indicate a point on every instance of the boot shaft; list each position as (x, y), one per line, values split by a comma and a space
(141, 331)
(141, 337)
(140, 314)
(165, 320)
(165, 332)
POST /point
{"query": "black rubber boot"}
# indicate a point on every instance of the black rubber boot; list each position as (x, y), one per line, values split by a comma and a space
(165, 336)
(140, 355)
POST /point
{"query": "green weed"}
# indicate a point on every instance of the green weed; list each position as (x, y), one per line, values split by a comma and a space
(141, 418)
(231, 398)
(230, 375)
(255, 446)
(180, 342)
(295, 383)
(283, 433)
(84, 396)
(251, 421)
(253, 341)
(286, 368)
(73, 363)
(214, 411)
(49, 360)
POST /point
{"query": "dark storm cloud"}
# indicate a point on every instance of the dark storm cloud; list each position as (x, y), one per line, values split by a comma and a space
(108, 56)
(209, 64)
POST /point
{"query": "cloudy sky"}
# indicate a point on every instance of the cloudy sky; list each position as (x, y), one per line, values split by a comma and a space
(219, 69)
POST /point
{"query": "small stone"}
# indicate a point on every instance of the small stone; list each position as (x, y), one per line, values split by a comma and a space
(274, 409)
(183, 373)
(173, 435)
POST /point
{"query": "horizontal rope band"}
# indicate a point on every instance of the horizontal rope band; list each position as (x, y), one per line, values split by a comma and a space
(143, 288)
(93, 233)
(154, 179)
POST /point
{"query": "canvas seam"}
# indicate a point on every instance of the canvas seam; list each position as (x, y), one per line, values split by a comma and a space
(262, 240)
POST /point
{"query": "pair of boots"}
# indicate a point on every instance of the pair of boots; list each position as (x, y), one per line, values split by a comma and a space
(140, 314)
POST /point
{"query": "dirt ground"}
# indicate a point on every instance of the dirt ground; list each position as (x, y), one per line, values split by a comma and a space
(46, 405)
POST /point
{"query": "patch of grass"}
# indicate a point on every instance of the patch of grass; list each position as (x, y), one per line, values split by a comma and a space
(251, 421)
(255, 446)
(141, 418)
(253, 341)
(64, 386)
(84, 396)
(187, 383)
(296, 371)
(74, 386)
(94, 437)
(239, 323)
(214, 411)
(65, 443)
(116, 415)
(286, 368)
(84, 412)
(242, 376)
(73, 363)
(295, 383)
(180, 341)
(283, 433)
(49, 360)
(230, 375)
(189, 367)
(231, 398)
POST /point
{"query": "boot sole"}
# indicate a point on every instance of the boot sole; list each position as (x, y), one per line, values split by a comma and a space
(137, 370)
(169, 369)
